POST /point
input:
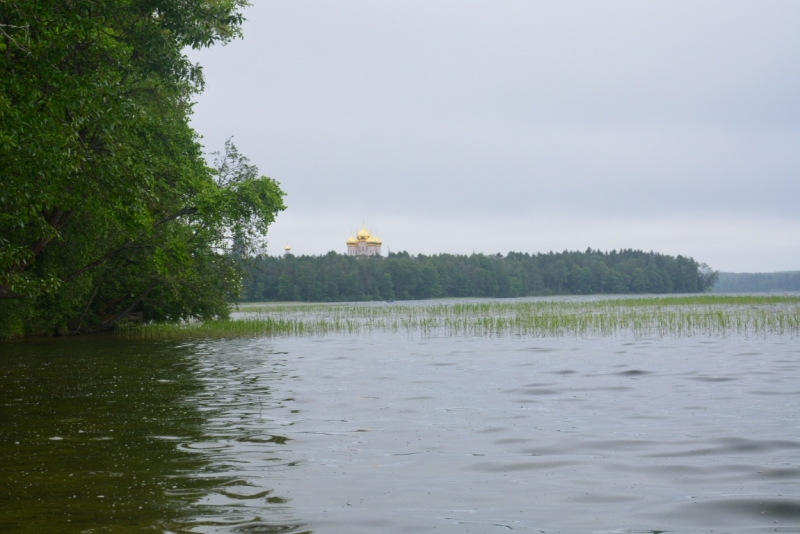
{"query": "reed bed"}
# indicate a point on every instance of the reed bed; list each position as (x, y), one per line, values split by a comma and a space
(637, 317)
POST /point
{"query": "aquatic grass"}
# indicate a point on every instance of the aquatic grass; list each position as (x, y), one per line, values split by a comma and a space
(248, 327)
(651, 316)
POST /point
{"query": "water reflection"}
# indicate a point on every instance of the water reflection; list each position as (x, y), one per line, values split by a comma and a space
(245, 426)
(103, 436)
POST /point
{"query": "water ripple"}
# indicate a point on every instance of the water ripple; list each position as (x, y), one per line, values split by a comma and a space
(450, 435)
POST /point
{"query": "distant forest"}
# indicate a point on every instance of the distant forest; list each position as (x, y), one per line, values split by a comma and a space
(337, 277)
(758, 282)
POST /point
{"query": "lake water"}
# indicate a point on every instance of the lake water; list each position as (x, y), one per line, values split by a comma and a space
(390, 433)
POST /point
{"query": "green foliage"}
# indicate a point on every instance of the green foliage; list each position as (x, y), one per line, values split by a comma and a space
(335, 277)
(107, 206)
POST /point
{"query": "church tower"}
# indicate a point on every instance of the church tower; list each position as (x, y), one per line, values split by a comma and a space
(364, 244)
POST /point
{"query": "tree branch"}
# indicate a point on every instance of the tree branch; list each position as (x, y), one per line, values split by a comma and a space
(57, 219)
(110, 322)
(127, 244)
(86, 309)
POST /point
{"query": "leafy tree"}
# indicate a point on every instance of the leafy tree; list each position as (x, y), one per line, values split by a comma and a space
(429, 282)
(559, 274)
(707, 277)
(107, 206)
(581, 279)
(639, 281)
(386, 286)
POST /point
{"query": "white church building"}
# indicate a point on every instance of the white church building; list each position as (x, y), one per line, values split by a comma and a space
(364, 244)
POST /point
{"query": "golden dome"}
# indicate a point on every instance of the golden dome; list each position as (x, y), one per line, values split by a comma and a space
(362, 234)
(371, 241)
(351, 241)
(287, 248)
(377, 240)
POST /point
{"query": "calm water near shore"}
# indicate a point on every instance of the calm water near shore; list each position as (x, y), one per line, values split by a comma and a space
(386, 432)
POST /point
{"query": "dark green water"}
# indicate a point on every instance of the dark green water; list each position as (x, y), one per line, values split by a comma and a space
(94, 435)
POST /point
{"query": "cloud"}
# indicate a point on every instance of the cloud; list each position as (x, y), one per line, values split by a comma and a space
(453, 117)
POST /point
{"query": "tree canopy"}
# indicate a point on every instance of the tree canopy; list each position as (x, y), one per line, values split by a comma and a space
(107, 204)
(337, 277)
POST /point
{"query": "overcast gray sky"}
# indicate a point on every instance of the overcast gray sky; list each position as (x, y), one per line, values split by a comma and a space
(453, 126)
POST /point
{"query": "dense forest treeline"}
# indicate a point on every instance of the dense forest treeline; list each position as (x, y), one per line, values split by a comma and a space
(337, 277)
(758, 282)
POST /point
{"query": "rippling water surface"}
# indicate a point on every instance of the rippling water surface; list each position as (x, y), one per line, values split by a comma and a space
(387, 433)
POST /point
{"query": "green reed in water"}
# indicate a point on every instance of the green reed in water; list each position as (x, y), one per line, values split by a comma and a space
(659, 316)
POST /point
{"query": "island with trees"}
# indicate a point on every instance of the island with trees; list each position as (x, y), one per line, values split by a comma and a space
(337, 277)
(758, 282)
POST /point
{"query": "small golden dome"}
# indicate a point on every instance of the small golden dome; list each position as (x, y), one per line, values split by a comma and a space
(371, 241)
(363, 234)
(377, 240)
(287, 248)
(351, 241)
